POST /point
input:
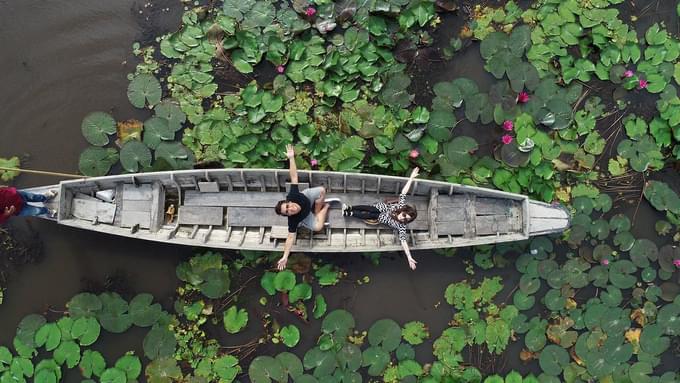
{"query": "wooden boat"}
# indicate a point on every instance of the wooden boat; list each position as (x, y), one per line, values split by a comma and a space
(233, 209)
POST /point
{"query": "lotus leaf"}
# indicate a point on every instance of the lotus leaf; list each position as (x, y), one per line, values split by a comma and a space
(113, 375)
(226, 366)
(163, 370)
(216, 283)
(415, 332)
(545, 267)
(68, 352)
(663, 227)
(612, 297)
(28, 327)
(327, 276)
(301, 291)
(624, 240)
(86, 330)
(290, 335)
(159, 342)
(144, 89)
(320, 306)
(385, 333)
(619, 223)
(523, 76)
(284, 281)
(636, 127)
(642, 252)
(529, 284)
(642, 154)
(553, 359)
(95, 162)
(523, 301)
(648, 274)
(170, 111)
(583, 205)
(376, 359)
(323, 362)
(554, 300)
(600, 229)
(96, 128)
(267, 282)
(652, 341)
(556, 279)
(235, 319)
(306, 379)
(338, 322)
(668, 318)
(156, 130)
(574, 270)
(349, 357)
(45, 376)
(133, 154)
(175, 155)
(395, 91)
(662, 197)
(114, 317)
(144, 313)
(49, 335)
(92, 363)
(448, 96)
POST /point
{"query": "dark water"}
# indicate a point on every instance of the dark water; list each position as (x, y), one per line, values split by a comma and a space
(64, 59)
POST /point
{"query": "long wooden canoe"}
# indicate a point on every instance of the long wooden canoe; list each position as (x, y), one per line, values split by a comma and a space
(233, 209)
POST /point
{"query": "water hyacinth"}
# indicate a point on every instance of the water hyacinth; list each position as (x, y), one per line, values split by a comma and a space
(522, 97)
(311, 11)
(414, 153)
(506, 139)
(508, 125)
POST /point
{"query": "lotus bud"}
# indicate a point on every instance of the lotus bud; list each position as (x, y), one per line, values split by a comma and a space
(280, 69)
(642, 84)
(414, 153)
(628, 73)
(604, 262)
(506, 139)
(314, 162)
(522, 97)
(676, 262)
(310, 11)
(508, 125)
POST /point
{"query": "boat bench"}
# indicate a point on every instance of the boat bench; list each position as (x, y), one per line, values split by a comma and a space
(470, 215)
(200, 215)
(140, 206)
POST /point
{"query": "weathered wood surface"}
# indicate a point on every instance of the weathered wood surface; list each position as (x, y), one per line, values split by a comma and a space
(89, 210)
(141, 192)
(201, 215)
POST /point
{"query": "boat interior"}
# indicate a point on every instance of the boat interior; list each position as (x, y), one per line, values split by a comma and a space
(233, 208)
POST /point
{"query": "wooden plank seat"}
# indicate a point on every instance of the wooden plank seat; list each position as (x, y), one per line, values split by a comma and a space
(450, 214)
(140, 205)
(93, 210)
(200, 215)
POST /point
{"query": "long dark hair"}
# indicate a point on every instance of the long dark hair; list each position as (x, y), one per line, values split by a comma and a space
(407, 209)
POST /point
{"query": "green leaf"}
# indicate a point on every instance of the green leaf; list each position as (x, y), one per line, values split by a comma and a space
(130, 365)
(96, 128)
(385, 333)
(68, 352)
(95, 162)
(264, 369)
(159, 342)
(284, 281)
(235, 319)
(144, 89)
(144, 313)
(133, 155)
(290, 335)
(301, 291)
(415, 332)
(113, 375)
(267, 282)
(553, 359)
(49, 335)
(92, 363)
(86, 330)
(319, 306)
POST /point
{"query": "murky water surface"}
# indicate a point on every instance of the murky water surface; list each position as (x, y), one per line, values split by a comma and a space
(64, 59)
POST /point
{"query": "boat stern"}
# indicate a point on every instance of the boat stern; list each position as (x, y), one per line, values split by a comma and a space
(547, 218)
(52, 204)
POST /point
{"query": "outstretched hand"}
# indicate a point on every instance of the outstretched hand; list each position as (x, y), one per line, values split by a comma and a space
(412, 263)
(281, 264)
(415, 173)
(290, 151)
(9, 210)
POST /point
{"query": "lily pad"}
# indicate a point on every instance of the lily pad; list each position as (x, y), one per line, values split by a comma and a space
(175, 155)
(133, 155)
(114, 316)
(415, 332)
(144, 89)
(92, 364)
(385, 333)
(95, 162)
(642, 252)
(553, 359)
(376, 359)
(235, 319)
(96, 128)
(144, 313)
(339, 322)
(159, 342)
(284, 281)
(290, 335)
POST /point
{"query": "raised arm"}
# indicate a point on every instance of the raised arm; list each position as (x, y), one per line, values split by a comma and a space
(411, 262)
(290, 153)
(281, 264)
(414, 174)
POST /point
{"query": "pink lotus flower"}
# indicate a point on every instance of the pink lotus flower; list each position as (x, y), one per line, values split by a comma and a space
(676, 262)
(508, 125)
(506, 139)
(604, 262)
(314, 162)
(628, 73)
(522, 97)
(414, 153)
(280, 69)
(311, 11)
(642, 84)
